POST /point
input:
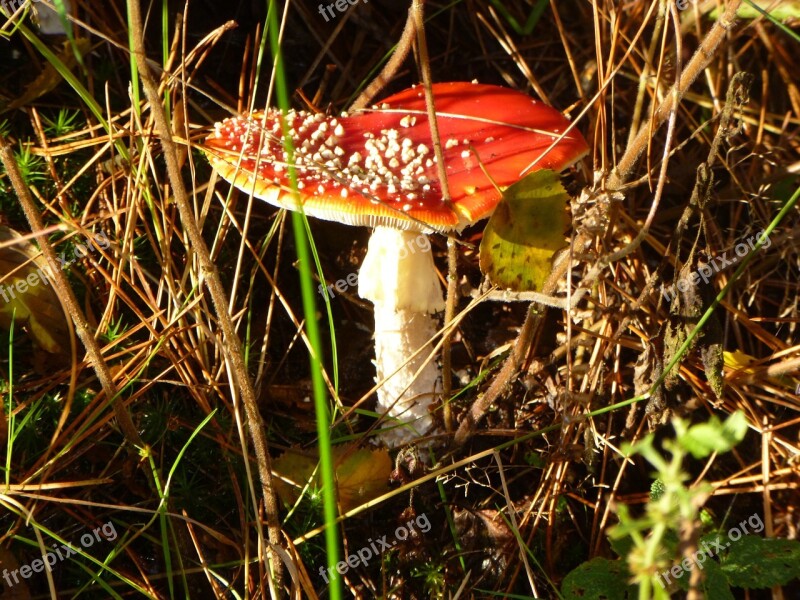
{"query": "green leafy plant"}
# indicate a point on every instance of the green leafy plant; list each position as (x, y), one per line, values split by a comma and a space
(663, 546)
(30, 165)
(66, 121)
(433, 575)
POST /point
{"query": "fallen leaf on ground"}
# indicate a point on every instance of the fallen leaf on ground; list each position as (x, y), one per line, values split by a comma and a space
(27, 296)
(361, 475)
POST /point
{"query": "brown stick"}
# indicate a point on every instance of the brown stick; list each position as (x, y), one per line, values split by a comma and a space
(418, 15)
(399, 55)
(699, 61)
(232, 346)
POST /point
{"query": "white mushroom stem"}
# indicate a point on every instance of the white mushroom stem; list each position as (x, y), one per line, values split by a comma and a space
(399, 277)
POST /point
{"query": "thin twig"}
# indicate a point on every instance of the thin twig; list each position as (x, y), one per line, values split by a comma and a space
(232, 345)
(699, 61)
(418, 12)
(399, 55)
(61, 285)
(662, 178)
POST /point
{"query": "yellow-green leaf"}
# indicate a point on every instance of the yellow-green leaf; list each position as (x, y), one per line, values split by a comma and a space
(525, 231)
(361, 475)
(27, 296)
(738, 361)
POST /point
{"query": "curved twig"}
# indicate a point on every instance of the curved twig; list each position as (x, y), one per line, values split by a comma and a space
(68, 298)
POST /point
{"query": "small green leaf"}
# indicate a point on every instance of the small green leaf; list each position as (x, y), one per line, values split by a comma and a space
(622, 546)
(530, 23)
(598, 579)
(754, 562)
(535, 459)
(703, 439)
(525, 231)
(715, 585)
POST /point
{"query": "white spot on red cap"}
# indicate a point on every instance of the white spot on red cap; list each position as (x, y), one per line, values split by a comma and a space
(381, 153)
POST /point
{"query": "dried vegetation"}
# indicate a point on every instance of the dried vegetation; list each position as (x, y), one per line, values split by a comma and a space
(694, 152)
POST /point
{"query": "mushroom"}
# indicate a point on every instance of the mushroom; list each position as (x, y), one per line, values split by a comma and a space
(377, 167)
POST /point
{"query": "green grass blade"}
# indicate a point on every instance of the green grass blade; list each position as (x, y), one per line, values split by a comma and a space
(300, 227)
(314, 253)
(75, 84)
(774, 21)
(136, 92)
(10, 435)
(63, 17)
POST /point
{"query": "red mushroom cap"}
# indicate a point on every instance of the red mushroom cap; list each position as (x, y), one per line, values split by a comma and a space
(377, 166)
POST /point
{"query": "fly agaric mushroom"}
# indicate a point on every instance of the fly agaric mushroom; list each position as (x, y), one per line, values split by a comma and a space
(377, 168)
